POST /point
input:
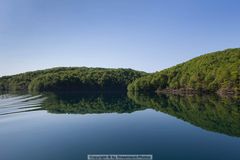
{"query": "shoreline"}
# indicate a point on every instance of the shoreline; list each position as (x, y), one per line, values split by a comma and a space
(189, 92)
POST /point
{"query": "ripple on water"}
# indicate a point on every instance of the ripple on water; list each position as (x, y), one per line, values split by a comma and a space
(10, 104)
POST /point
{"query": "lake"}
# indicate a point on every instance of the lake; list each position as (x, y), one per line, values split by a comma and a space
(60, 126)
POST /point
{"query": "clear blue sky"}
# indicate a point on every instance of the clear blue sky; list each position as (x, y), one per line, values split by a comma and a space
(147, 35)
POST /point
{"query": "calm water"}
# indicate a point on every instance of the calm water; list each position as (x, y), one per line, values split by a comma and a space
(71, 126)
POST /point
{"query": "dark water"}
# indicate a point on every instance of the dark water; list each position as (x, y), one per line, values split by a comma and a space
(73, 125)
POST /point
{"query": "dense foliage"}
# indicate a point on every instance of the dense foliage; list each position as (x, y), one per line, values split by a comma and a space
(214, 72)
(208, 112)
(77, 78)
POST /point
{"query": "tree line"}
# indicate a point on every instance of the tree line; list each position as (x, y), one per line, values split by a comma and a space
(213, 72)
(71, 79)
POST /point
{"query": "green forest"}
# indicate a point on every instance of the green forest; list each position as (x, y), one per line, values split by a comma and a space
(70, 79)
(213, 72)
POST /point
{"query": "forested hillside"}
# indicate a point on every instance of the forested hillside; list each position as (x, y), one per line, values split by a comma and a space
(213, 72)
(71, 79)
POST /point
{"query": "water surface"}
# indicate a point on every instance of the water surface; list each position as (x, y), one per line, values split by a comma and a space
(71, 125)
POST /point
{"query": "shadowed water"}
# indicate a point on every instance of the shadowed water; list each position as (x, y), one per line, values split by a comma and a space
(72, 125)
(209, 112)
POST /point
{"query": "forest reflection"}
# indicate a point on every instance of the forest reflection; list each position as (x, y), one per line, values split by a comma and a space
(209, 112)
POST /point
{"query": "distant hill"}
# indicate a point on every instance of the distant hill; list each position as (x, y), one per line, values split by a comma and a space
(213, 72)
(70, 79)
